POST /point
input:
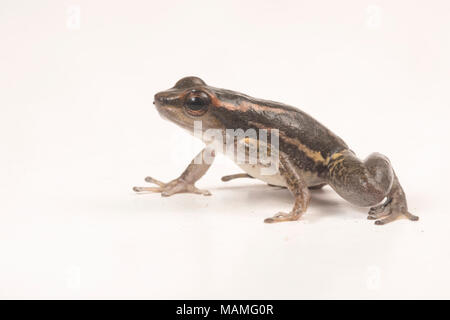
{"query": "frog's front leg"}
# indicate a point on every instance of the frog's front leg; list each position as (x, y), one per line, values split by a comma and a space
(185, 183)
(366, 183)
(298, 188)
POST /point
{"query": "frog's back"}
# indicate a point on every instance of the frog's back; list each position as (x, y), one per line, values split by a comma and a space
(241, 111)
(309, 143)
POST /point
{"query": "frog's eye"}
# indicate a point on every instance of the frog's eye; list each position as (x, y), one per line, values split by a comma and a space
(197, 103)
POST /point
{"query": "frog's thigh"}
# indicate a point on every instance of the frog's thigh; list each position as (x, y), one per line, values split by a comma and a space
(296, 184)
(363, 183)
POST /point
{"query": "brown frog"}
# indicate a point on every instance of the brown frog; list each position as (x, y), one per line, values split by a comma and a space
(309, 156)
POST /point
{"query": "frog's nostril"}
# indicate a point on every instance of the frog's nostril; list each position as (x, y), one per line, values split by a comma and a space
(159, 98)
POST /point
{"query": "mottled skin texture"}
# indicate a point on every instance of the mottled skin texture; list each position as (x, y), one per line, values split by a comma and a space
(310, 156)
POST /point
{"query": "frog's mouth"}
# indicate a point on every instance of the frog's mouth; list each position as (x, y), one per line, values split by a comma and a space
(173, 114)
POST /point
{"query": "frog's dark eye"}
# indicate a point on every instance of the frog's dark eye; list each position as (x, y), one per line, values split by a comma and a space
(197, 103)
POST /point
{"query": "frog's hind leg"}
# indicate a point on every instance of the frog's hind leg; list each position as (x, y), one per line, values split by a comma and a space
(298, 188)
(236, 176)
(393, 207)
(366, 183)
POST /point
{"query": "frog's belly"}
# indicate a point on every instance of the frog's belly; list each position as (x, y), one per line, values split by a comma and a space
(311, 179)
(255, 171)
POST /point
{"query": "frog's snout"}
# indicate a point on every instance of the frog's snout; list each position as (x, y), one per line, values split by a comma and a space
(159, 99)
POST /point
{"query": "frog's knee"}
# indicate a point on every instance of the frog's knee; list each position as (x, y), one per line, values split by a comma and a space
(362, 183)
(380, 171)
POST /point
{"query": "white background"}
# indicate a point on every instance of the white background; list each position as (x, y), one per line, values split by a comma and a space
(78, 130)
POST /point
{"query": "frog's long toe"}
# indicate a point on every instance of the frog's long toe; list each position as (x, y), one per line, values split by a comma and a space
(146, 189)
(377, 215)
(379, 211)
(154, 181)
(380, 208)
(281, 216)
(410, 216)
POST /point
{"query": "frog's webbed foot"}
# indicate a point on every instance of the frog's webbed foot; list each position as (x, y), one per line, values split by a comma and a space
(178, 185)
(281, 216)
(389, 211)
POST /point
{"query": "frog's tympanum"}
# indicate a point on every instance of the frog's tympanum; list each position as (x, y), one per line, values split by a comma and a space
(309, 155)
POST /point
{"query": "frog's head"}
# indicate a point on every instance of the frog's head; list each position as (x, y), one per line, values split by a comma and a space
(190, 100)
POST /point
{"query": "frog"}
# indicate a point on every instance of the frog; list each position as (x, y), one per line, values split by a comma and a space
(309, 155)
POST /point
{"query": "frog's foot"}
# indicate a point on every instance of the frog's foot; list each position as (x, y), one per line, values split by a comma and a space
(389, 211)
(281, 216)
(175, 186)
